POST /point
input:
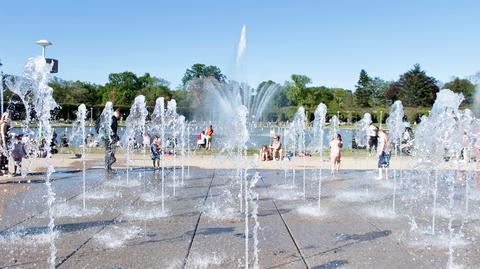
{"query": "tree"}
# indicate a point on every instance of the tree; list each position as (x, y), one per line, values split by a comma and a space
(414, 88)
(363, 89)
(121, 88)
(379, 89)
(203, 71)
(296, 89)
(464, 86)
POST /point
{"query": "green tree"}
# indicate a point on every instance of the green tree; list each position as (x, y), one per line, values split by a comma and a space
(464, 86)
(203, 71)
(363, 89)
(379, 89)
(296, 89)
(414, 88)
(121, 88)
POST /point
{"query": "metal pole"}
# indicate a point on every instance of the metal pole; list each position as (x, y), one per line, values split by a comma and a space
(1, 89)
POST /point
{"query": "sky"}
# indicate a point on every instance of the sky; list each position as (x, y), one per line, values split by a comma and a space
(329, 41)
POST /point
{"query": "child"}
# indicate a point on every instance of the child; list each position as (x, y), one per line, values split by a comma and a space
(18, 153)
(155, 151)
(383, 154)
(264, 153)
(335, 146)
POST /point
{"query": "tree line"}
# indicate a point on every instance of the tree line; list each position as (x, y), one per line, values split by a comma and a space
(414, 88)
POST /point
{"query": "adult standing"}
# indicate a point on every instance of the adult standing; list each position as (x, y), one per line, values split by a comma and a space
(110, 158)
(4, 143)
(208, 135)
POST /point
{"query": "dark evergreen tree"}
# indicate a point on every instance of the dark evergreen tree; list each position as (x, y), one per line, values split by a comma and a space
(363, 89)
(414, 88)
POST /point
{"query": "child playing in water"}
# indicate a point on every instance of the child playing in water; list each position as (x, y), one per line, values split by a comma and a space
(18, 153)
(383, 153)
(335, 146)
(155, 151)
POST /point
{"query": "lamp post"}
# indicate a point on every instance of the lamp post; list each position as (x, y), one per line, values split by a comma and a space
(1, 89)
(91, 116)
(43, 43)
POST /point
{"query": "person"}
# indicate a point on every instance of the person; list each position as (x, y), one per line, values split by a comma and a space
(155, 151)
(64, 140)
(407, 141)
(276, 148)
(264, 153)
(5, 142)
(18, 153)
(208, 136)
(335, 146)
(110, 158)
(383, 153)
(372, 137)
(201, 143)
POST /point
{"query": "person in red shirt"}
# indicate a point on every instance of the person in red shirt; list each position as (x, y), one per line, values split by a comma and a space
(208, 136)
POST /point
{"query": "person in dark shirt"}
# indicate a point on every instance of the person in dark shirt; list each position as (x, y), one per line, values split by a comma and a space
(110, 158)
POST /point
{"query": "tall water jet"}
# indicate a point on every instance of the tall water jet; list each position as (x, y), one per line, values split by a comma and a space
(395, 124)
(172, 121)
(297, 137)
(361, 136)
(334, 123)
(188, 150)
(251, 198)
(396, 127)
(36, 74)
(239, 136)
(438, 143)
(79, 131)
(319, 125)
(104, 130)
(242, 45)
(158, 121)
(135, 126)
(181, 126)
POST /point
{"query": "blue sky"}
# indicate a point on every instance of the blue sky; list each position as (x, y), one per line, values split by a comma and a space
(330, 41)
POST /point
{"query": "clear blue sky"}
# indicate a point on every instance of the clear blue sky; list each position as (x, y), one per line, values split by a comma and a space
(330, 41)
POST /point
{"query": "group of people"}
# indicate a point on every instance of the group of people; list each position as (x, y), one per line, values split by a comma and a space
(273, 151)
(377, 141)
(204, 138)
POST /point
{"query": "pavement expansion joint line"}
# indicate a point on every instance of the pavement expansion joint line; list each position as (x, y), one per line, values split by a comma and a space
(289, 231)
(90, 238)
(43, 211)
(198, 221)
